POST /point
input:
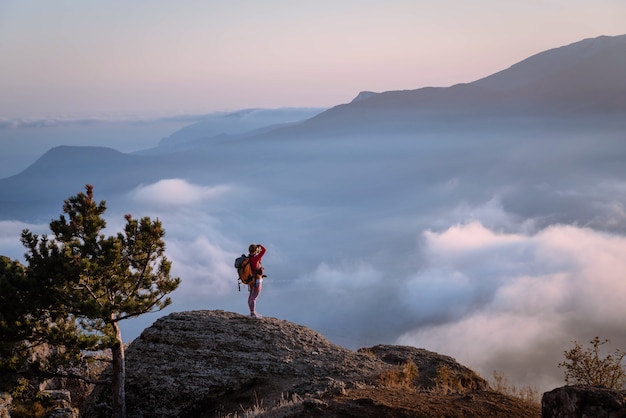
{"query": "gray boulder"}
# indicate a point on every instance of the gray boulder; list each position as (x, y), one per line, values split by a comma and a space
(194, 364)
(581, 401)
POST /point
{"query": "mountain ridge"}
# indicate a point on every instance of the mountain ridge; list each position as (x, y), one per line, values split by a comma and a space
(225, 124)
(573, 62)
(462, 108)
(553, 61)
(586, 85)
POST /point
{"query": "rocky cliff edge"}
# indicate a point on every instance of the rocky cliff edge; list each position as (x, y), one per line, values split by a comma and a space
(220, 364)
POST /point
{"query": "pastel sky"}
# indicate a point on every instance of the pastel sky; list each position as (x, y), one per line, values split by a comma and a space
(77, 57)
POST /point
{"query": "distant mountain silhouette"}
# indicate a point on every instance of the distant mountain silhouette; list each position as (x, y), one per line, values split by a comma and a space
(584, 77)
(582, 60)
(64, 170)
(579, 85)
(220, 125)
(589, 75)
(83, 159)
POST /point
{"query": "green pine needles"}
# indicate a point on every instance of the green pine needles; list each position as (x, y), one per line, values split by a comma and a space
(79, 284)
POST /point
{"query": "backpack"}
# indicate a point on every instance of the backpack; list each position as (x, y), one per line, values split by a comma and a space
(244, 269)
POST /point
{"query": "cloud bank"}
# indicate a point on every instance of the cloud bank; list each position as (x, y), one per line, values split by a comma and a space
(497, 291)
(490, 248)
(176, 192)
(513, 302)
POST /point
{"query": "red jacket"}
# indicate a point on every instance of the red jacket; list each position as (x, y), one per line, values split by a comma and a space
(255, 261)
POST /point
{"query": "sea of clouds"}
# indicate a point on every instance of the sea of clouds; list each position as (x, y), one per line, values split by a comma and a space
(471, 254)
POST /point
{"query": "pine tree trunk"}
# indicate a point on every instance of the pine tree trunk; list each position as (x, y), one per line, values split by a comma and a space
(119, 375)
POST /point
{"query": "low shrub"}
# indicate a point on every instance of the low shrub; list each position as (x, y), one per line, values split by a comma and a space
(585, 366)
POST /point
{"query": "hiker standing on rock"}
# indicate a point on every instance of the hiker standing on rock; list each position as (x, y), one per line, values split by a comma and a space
(256, 254)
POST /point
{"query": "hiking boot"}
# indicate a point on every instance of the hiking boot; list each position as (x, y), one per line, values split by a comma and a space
(256, 315)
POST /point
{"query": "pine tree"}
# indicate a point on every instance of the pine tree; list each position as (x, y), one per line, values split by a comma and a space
(14, 324)
(94, 281)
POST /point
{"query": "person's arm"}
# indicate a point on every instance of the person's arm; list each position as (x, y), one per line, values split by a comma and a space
(255, 260)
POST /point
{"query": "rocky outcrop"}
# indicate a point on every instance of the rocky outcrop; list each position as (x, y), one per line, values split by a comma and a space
(196, 363)
(579, 401)
(433, 368)
(216, 363)
(63, 404)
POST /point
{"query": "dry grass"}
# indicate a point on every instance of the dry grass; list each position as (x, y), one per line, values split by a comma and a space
(403, 376)
(525, 393)
(286, 407)
(448, 380)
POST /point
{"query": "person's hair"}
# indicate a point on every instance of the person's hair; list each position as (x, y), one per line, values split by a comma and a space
(252, 248)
